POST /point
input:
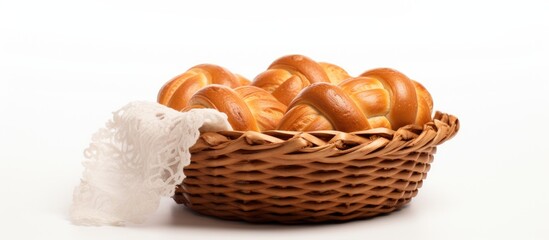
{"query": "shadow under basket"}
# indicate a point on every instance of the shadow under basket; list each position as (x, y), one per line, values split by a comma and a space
(302, 177)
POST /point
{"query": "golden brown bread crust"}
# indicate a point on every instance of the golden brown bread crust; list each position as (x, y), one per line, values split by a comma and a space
(321, 96)
(243, 81)
(335, 73)
(371, 97)
(177, 92)
(402, 94)
(247, 107)
(301, 65)
(225, 100)
(425, 104)
(288, 75)
(326, 101)
(384, 98)
(267, 110)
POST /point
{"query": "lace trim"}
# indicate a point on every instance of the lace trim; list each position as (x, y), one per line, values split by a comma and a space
(135, 159)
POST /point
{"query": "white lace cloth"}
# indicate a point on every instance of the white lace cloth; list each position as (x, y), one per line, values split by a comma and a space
(137, 158)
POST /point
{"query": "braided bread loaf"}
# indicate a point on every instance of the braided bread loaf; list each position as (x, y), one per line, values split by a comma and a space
(379, 98)
(177, 92)
(247, 107)
(410, 102)
(335, 73)
(288, 75)
(318, 96)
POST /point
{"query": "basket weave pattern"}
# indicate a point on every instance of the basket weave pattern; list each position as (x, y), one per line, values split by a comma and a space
(296, 177)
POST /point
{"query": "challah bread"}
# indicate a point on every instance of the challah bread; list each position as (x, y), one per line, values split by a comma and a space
(323, 106)
(383, 98)
(425, 104)
(410, 102)
(247, 107)
(288, 75)
(177, 92)
(335, 73)
(243, 80)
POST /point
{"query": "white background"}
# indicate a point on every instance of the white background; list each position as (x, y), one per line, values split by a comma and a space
(66, 65)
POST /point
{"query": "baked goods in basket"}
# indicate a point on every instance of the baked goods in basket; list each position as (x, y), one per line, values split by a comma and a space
(374, 150)
(336, 74)
(411, 102)
(247, 107)
(383, 97)
(357, 147)
(321, 96)
(177, 92)
(288, 75)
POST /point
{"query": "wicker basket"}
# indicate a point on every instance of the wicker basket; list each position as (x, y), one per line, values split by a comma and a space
(299, 177)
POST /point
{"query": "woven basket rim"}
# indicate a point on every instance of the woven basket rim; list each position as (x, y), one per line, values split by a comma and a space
(441, 128)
